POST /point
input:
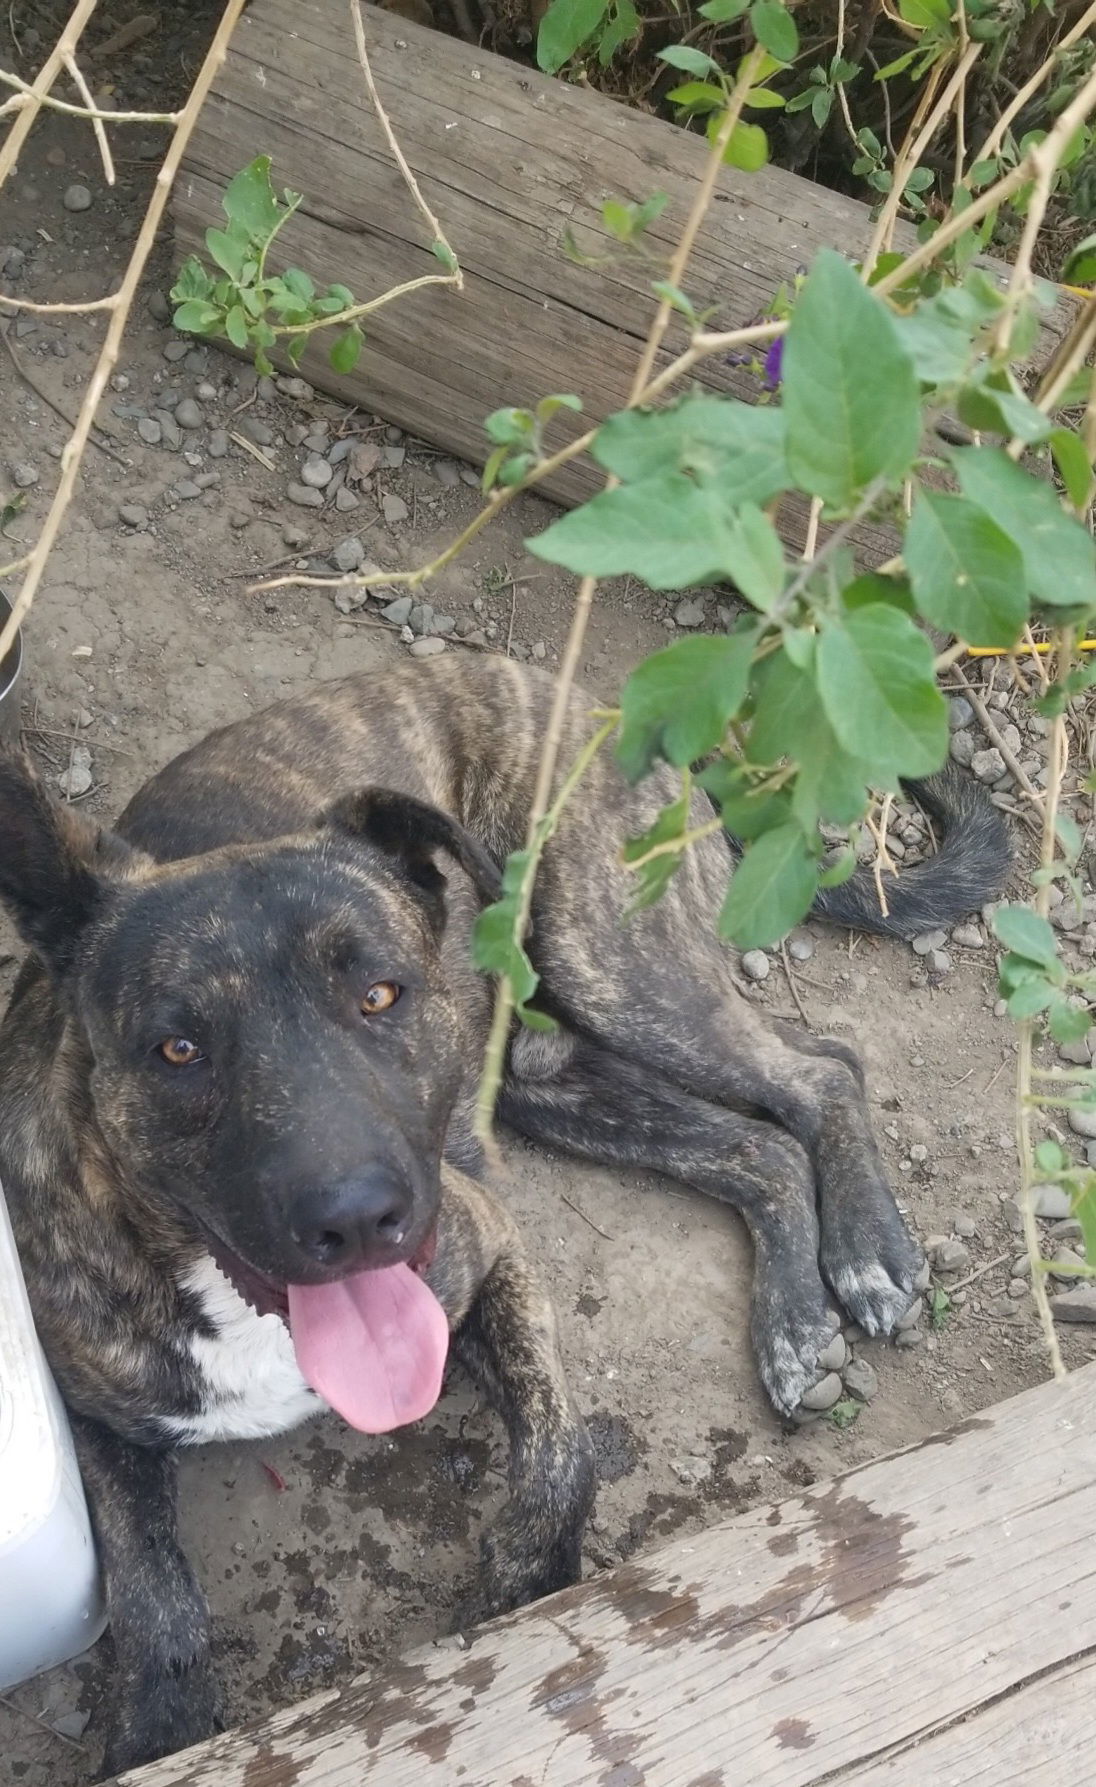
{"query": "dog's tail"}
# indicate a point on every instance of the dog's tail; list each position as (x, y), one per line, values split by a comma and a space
(970, 866)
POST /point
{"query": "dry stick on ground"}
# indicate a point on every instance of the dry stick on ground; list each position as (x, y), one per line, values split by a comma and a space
(51, 403)
(119, 306)
(993, 733)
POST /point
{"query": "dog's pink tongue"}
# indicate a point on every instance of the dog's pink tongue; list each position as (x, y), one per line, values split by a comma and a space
(372, 1345)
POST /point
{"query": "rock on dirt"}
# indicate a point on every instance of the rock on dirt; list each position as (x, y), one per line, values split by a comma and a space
(1078, 1305)
(756, 965)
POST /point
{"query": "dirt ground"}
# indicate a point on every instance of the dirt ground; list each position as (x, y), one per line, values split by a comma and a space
(325, 1552)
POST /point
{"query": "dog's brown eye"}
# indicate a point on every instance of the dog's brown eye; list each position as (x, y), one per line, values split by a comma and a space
(178, 1052)
(380, 998)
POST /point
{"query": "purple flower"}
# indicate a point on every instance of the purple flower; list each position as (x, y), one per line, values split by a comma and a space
(773, 362)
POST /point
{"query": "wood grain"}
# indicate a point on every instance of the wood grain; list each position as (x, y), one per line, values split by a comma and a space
(925, 1621)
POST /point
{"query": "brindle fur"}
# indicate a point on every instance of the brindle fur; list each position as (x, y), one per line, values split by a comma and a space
(247, 893)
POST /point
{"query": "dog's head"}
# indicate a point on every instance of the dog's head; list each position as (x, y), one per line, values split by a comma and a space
(273, 1042)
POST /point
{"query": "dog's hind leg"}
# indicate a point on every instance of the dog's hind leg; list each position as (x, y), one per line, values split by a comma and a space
(505, 1335)
(567, 1092)
(164, 1695)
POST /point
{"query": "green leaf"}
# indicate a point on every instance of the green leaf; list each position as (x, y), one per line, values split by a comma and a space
(1049, 1158)
(774, 27)
(1073, 465)
(442, 252)
(926, 15)
(1029, 998)
(745, 807)
(871, 587)
(495, 945)
(1026, 934)
(967, 575)
(748, 148)
(791, 722)
(564, 29)
(822, 106)
(299, 284)
(249, 200)
(755, 559)
(721, 12)
(236, 326)
(676, 298)
(193, 281)
(898, 66)
(1059, 556)
(671, 530)
(1084, 1209)
(558, 400)
(763, 99)
(850, 393)
(845, 1412)
(515, 469)
(511, 428)
(772, 888)
(492, 467)
(1066, 1022)
(878, 687)
(677, 703)
(690, 61)
(739, 444)
(1069, 836)
(346, 349)
(1080, 267)
(697, 96)
(196, 318)
(624, 24)
(654, 877)
(229, 248)
(1005, 412)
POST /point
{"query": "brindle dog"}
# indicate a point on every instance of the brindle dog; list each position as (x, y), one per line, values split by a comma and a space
(236, 1082)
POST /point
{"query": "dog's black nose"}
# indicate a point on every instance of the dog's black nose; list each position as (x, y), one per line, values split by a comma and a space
(350, 1223)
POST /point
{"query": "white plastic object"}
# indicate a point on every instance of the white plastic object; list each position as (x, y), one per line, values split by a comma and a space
(50, 1601)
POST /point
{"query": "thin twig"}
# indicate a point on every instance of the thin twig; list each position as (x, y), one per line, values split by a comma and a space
(981, 1271)
(22, 1713)
(26, 98)
(84, 91)
(792, 988)
(571, 1206)
(119, 313)
(993, 733)
(47, 74)
(51, 403)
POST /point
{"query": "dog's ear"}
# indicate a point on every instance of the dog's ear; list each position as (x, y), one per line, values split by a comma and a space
(412, 832)
(53, 864)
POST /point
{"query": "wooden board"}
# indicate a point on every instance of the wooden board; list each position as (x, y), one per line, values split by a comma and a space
(509, 160)
(925, 1621)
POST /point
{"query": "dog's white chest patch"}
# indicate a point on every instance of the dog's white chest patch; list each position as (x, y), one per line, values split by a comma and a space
(251, 1383)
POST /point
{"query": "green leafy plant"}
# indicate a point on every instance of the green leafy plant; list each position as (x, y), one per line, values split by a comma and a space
(244, 302)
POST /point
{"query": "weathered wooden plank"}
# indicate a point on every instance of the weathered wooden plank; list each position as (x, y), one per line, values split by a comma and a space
(509, 160)
(1021, 1741)
(810, 1642)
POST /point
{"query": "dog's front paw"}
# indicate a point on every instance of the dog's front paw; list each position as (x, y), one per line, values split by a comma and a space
(876, 1270)
(160, 1713)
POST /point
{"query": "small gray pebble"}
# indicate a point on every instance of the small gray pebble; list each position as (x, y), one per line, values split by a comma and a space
(70, 1724)
(266, 387)
(444, 623)
(316, 438)
(316, 472)
(394, 508)
(1082, 1122)
(756, 965)
(149, 431)
(24, 475)
(345, 500)
(188, 414)
(951, 1256)
(426, 648)
(158, 307)
(398, 611)
(689, 613)
(1068, 1229)
(469, 476)
(297, 388)
(988, 766)
(206, 393)
(294, 535)
(304, 496)
(965, 1227)
(348, 554)
(1051, 1202)
(1017, 1288)
(76, 779)
(476, 637)
(861, 1380)
(133, 515)
(832, 1357)
(340, 451)
(205, 480)
(257, 430)
(186, 490)
(968, 937)
(960, 713)
(196, 360)
(692, 1470)
(911, 1317)
(909, 1337)
(218, 443)
(171, 435)
(922, 1277)
(393, 457)
(824, 1394)
(447, 472)
(800, 948)
(1077, 1053)
(12, 262)
(540, 650)
(393, 435)
(175, 350)
(939, 961)
(77, 198)
(421, 618)
(962, 747)
(928, 941)
(1077, 1305)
